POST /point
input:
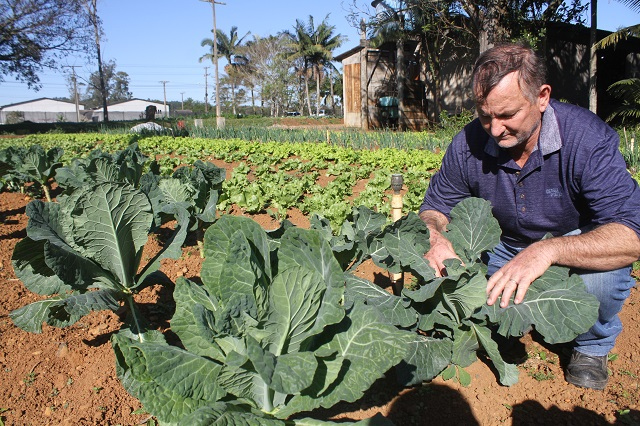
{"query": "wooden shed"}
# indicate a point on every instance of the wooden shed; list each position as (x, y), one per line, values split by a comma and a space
(371, 75)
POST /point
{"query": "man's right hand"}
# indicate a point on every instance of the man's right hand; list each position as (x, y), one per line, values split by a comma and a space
(441, 250)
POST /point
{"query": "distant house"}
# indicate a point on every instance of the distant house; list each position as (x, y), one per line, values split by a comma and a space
(42, 110)
(133, 109)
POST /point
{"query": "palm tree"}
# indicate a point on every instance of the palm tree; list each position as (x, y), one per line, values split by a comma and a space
(627, 90)
(315, 46)
(610, 40)
(228, 46)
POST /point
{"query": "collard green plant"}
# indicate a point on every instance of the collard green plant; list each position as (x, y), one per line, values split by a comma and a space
(265, 335)
(126, 165)
(195, 189)
(86, 250)
(34, 164)
(449, 314)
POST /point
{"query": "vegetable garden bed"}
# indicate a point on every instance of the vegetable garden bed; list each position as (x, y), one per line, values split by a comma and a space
(68, 375)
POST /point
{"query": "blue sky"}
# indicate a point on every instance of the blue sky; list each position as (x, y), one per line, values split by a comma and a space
(159, 40)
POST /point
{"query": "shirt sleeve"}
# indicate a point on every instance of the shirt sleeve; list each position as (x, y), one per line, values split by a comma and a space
(611, 193)
(449, 185)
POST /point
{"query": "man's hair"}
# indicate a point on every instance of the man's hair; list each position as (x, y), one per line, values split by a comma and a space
(495, 63)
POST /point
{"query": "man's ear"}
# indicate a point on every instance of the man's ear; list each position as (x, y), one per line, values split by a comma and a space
(544, 94)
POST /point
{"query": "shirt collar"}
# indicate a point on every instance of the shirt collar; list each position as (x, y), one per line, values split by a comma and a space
(549, 140)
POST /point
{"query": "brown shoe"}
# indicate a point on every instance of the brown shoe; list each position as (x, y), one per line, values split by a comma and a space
(587, 371)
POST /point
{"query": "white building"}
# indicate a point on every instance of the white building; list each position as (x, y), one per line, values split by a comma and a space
(42, 110)
(133, 109)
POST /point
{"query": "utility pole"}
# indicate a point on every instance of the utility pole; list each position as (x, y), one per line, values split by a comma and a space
(182, 101)
(206, 91)
(75, 91)
(164, 85)
(219, 119)
(593, 58)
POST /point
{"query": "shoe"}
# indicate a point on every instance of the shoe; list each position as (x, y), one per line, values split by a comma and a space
(587, 371)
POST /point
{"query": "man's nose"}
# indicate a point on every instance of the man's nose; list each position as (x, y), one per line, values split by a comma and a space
(497, 127)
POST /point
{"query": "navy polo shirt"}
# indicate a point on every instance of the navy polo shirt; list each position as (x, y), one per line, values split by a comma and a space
(575, 177)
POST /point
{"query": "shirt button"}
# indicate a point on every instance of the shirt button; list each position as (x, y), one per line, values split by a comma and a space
(521, 195)
(520, 184)
(517, 173)
(523, 209)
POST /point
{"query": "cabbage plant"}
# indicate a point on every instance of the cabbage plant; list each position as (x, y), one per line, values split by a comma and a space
(449, 315)
(263, 337)
(194, 188)
(86, 252)
(126, 165)
(33, 164)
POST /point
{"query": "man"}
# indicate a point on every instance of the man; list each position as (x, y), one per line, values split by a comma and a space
(546, 167)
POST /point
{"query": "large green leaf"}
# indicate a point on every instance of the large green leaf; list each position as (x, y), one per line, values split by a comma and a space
(172, 248)
(221, 414)
(396, 310)
(31, 317)
(472, 229)
(371, 348)
(232, 275)
(295, 299)
(112, 224)
(29, 265)
(557, 305)
(62, 311)
(306, 248)
(508, 373)
(426, 358)
(188, 325)
(171, 383)
(218, 241)
(402, 245)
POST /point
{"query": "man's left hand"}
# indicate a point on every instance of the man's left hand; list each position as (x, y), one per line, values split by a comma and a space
(518, 274)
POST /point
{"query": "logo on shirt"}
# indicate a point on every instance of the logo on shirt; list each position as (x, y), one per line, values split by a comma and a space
(553, 193)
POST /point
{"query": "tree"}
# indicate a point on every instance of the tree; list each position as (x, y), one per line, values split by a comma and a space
(228, 46)
(315, 46)
(37, 34)
(91, 12)
(446, 26)
(269, 70)
(116, 86)
(627, 91)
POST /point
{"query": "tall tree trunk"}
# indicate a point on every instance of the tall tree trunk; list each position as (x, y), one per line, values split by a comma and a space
(333, 103)
(253, 100)
(317, 70)
(306, 91)
(593, 58)
(91, 7)
(233, 96)
(400, 82)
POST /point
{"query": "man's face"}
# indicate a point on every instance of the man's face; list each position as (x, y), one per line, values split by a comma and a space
(510, 118)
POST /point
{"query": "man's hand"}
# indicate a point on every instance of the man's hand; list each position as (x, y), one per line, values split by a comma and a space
(604, 248)
(518, 274)
(441, 248)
